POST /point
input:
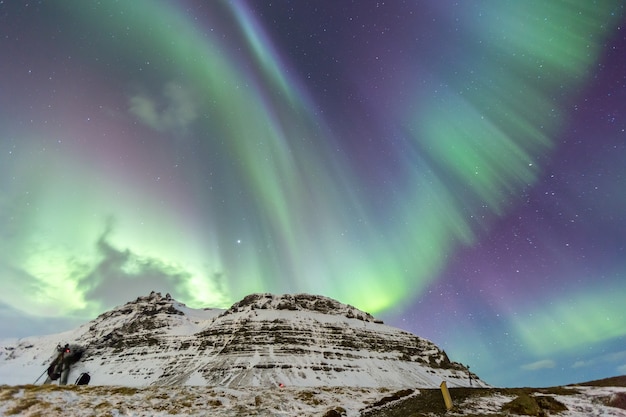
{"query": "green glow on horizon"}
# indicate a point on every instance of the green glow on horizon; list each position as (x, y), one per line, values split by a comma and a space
(573, 321)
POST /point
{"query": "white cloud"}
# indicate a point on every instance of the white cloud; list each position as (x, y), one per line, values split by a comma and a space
(615, 356)
(543, 364)
(607, 358)
(145, 110)
(175, 110)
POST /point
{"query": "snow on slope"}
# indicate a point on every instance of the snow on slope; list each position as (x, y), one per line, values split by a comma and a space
(262, 341)
(23, 361)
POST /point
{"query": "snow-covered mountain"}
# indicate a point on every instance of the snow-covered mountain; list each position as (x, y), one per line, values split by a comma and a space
(263, 340)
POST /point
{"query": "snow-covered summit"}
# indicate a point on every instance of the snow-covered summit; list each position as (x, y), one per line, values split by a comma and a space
(262, 340)
(300, 302)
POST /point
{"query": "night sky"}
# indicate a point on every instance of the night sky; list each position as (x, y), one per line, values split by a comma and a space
(456, 168)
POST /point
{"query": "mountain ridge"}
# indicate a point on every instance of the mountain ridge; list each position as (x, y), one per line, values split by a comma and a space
(261, 340)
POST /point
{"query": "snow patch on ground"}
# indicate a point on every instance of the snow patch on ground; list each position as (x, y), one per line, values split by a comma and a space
(592, 403)
(81, 401)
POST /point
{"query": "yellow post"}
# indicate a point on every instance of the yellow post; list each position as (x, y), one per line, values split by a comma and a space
(446, 395)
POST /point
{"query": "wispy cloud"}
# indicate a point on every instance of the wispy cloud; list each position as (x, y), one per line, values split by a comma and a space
(542, 364)
(136, 275)
(174, 110)
(612, 357)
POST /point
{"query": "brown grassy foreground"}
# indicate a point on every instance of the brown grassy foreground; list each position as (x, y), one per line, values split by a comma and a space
(615, 381)
(166, 401)
(475, 402)
(606, 398)
(430, 401)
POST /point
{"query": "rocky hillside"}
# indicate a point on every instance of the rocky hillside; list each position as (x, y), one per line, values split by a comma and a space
(262, 340)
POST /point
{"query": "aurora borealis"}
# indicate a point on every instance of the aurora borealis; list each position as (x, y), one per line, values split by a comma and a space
(455, 168)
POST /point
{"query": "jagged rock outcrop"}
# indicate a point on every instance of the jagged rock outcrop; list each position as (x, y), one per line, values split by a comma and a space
(299, 302)
(264, 339)
(134, 324)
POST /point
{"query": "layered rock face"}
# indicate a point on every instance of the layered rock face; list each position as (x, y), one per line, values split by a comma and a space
(306, 339)
(262, 340)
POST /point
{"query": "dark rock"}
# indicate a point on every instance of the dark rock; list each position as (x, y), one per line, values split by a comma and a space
(618, 400)
(335, 412)
(524, 405)
(550, 404)
(542, 405)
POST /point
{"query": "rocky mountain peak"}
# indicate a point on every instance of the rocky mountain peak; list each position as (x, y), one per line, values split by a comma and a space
(135, 321)
(299, 302)
(149, 305)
